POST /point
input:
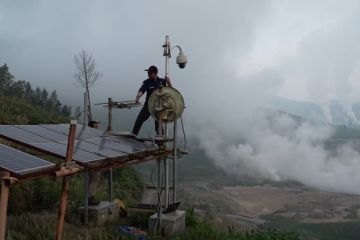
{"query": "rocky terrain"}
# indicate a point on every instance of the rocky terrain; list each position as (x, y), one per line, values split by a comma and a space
(256, 203)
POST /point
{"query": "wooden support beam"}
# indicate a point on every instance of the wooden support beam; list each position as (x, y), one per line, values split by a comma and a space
(65, 184)
(69, 171)
(5, 186)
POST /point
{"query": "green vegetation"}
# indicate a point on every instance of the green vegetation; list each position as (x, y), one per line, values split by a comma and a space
(206, 229)
(33, 206)
(22, 227)
(20, 103)
(319, 231)
(41, 226)
(43, 194)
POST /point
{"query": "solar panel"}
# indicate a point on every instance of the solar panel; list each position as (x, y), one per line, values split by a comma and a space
(109, 143)
(89, 146)
(82, 131)
(21, 163)
(20, 135)
(47, 133)
(92, 144)
(132, 142)
(59, 149)
(62, 128)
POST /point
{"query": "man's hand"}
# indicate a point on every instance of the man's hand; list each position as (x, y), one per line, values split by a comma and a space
(138, 96)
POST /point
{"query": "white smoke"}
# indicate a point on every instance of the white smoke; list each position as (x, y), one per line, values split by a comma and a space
(238, 131)
(245, 138)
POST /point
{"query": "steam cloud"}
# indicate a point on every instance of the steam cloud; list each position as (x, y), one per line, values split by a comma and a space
(242, 135)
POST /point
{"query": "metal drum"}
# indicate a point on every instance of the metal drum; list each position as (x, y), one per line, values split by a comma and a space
(166, 102)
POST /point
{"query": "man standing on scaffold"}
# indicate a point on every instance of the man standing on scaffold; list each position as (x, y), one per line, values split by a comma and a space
(148, 86)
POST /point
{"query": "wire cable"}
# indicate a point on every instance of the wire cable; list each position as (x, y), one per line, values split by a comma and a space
(183, 129)
(159, 190)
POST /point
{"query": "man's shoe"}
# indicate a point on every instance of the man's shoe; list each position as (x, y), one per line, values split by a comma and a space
(92, 201)
(126, 134)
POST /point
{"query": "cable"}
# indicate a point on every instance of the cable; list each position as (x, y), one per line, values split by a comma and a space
(182, 126)
(153, 141)
(151, 178)
(159, 190)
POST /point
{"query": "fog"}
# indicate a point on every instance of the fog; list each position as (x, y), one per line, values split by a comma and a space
(241, 54)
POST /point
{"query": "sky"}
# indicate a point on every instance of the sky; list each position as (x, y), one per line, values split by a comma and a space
(40, 38)
(240, 55)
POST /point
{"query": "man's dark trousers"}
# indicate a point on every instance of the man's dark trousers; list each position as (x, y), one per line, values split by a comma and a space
(141, 118)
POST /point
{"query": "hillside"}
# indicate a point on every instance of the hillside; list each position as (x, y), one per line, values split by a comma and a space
(333, 112)
(21, 104)
(33, 204)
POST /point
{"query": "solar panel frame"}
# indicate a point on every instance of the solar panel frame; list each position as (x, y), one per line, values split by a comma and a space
(21, 163)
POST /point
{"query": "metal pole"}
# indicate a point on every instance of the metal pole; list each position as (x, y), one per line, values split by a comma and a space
(174, 162)
(166, 167)
(65, 183)
(109, 128)
(110, 173)
(159, 179)
(159, 173)
(86, 205)
(4, 203)
(159, 192)
(110, 184)
(167, 55)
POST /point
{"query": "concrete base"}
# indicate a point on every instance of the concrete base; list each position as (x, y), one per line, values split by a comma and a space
(101, 213)
(173, 222)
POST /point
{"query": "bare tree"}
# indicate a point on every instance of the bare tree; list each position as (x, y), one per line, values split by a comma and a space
(86, 74)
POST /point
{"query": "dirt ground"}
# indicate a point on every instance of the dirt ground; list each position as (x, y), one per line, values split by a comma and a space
(257, 202)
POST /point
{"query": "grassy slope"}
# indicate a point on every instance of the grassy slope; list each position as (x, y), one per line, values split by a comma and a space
(33, 207)
(320, 231)
(16, 110)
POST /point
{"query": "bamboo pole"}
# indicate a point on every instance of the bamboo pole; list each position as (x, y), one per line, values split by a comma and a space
(65, 183)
